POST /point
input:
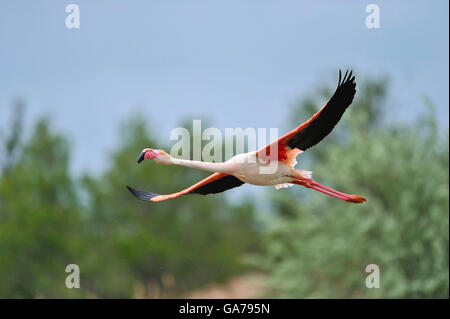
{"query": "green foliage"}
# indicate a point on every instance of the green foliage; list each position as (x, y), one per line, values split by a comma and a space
(39, 218)
(193, 239)
(312, 246)
(320, 247)
(124, 247)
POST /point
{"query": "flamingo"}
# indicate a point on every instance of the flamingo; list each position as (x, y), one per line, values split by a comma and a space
(247, 167)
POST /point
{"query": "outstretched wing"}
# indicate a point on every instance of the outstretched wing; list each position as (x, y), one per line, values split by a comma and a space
(213, 184)
(319, 125)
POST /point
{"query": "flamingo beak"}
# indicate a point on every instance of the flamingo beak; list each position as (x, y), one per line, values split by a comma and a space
(141, 157)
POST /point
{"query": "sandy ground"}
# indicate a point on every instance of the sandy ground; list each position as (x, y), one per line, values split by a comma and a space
(247, 286)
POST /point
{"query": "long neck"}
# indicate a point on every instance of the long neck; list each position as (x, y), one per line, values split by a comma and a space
(205, 166)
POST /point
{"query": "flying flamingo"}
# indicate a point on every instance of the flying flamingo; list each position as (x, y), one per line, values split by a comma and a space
(247, 167)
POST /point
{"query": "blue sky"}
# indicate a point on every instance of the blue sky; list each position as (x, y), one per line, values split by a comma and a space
(239, 63)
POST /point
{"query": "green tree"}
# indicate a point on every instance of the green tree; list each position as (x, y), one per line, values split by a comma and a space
(124, 247)
(194, 239)
(39, 216)
(320, 246)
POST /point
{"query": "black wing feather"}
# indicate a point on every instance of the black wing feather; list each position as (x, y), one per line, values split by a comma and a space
(324, 123)
(143, 195)
(218, 186)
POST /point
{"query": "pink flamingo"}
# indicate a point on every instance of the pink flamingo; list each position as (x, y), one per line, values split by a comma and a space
(247, 167)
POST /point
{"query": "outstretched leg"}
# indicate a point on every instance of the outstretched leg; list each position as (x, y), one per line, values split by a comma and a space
(310, 183)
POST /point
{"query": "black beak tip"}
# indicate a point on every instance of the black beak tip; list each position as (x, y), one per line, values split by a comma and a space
(141, 157)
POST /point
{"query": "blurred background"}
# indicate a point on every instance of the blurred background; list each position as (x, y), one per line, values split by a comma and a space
(78, 105)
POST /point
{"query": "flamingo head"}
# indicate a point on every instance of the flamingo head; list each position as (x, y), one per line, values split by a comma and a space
(157, 155)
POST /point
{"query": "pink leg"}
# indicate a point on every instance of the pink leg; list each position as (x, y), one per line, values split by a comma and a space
(327, 188)
(310, 183)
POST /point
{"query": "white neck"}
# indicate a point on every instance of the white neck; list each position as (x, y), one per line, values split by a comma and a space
(205, 166)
